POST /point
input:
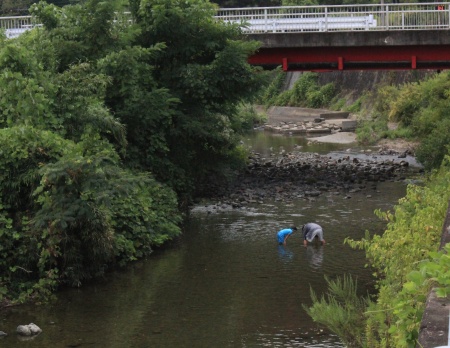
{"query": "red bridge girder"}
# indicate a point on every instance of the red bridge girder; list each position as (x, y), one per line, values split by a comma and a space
(362, 50)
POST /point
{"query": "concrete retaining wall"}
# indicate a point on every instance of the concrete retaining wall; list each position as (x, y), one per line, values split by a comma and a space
(278, 114)
(434, 328)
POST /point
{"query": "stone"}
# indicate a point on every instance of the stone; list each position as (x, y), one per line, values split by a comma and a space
(349, 125)
(28, 330)
(23, 330)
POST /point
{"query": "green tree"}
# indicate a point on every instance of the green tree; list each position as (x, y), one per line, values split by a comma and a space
(97, 114)
(247, 3)
(299, 2)
(177, 89)
(204, 65)
(83, 32)
(14, 7)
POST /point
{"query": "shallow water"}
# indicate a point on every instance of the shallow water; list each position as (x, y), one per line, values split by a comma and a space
(274, 144)
(224, 283)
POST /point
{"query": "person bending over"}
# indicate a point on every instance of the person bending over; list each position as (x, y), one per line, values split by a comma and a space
(284, 234)
(312, 231)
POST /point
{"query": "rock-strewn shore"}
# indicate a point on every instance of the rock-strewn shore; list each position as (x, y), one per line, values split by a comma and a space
(303, 127)
(299, 175)
(294, 120)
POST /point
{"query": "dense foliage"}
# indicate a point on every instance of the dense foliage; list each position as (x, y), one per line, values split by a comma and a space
(421, 111)
(341, 310)
(107, 125)
(20, 7)
(306, 92)
(413, 234)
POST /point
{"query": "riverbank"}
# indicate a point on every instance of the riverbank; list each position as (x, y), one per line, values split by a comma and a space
(326, 126)
(307, 121)
(298, 174)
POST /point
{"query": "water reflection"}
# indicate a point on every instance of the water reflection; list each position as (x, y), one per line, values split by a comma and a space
(266, 145)
(285, 254)
(261, 142)
(314, 256)
(222, 285)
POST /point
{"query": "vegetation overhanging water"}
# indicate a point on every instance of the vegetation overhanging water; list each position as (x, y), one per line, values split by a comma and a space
(224, 283)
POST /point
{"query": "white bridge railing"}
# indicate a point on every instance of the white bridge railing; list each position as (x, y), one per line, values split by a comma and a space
(17, 25)
(417, 16)
(14, 26)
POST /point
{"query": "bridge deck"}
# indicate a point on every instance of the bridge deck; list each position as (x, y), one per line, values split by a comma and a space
(358, 50)
(323, 38)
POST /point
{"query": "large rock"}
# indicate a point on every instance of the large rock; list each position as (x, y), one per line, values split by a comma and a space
(349, 125)
(28, 330)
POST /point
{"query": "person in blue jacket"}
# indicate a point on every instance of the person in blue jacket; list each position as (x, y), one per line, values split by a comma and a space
(284, 234)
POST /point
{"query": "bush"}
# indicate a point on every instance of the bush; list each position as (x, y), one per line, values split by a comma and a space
(248, 118)
(412, 234)
(408, 102)
(274, 88)
(369, 132)
(68, 211)
(342, 310)
(412, 98)
(435, 146)
(356, 106)
(304, 86)
(306, 92)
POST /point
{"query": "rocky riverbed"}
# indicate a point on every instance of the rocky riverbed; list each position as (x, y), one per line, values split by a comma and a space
(301, 175)
(297, 174)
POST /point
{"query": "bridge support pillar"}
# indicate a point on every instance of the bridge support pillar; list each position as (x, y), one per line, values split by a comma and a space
(340, 63)
(285, 64)
(413, 62)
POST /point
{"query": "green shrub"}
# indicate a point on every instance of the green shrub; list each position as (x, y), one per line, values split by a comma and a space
(97, 213)
(382, 99)
(369, 132)
(306, 84)
(408, 102)
(338, 103)
(412, 234)
(306, 92)
(341, 310)
(328, 92)
(356, 106)
(247, 118)
(68, 211)
(271, 92)
(413, 97)
(435, 146)
(284, 99)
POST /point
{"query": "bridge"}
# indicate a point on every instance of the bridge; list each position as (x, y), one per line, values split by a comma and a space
(347, 37)
(327, 38)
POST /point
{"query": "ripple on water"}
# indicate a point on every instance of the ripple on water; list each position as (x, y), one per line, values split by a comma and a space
(227, 283)
(312, 338)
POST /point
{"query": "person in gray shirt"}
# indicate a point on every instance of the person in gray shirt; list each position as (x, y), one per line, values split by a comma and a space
(310, 232)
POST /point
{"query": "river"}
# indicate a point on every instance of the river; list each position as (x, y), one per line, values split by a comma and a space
(225, 282)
